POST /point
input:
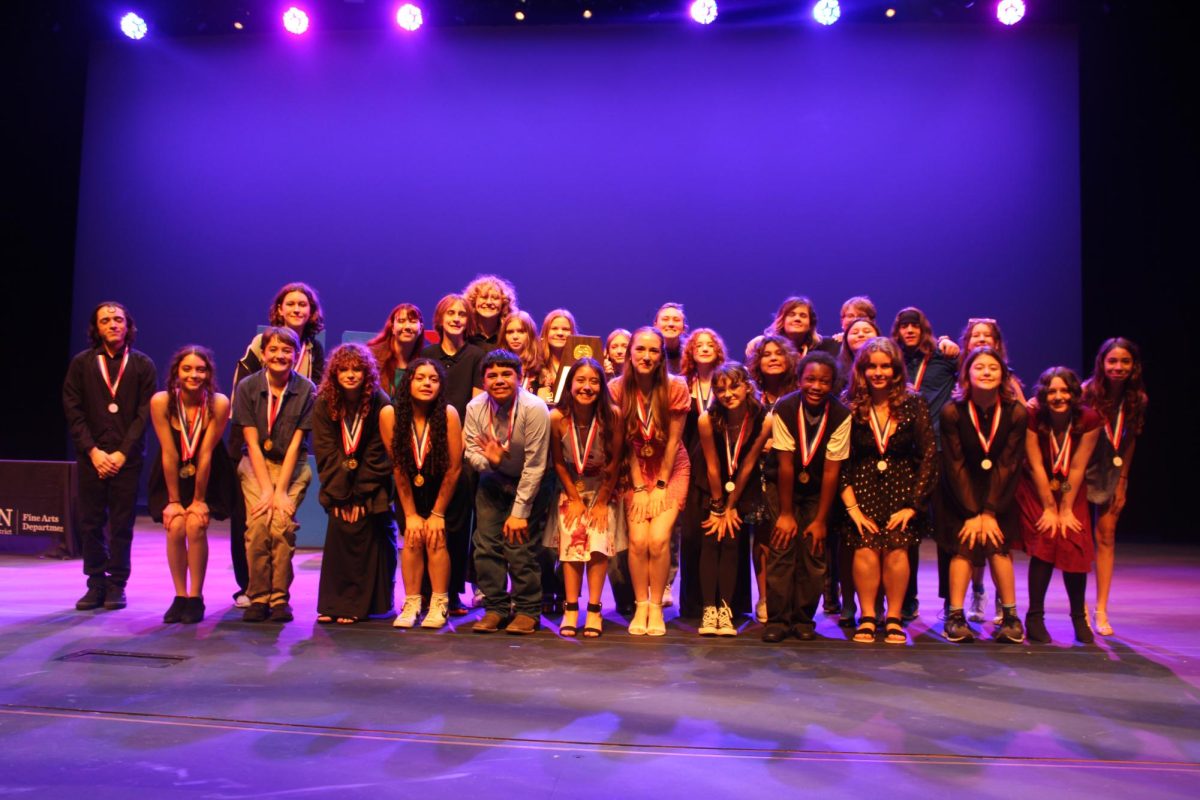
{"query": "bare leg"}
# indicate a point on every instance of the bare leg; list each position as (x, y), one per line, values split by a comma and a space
(1106, 552)
(639, 559)
(177, 557)
(895, 579)
(412, 565)
(659, 550)
(597, 569)
(197, 555)
(1004, 578)
(439, 570)
(866, 579)
(960, 573)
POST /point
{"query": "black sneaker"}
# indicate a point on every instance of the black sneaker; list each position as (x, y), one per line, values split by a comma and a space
(1035, 627)
(94, 598)
(282, 613)
(1010, 630)
(256, 612)
(193, 611)
(114, 598)
(175, 612)
(1083, 631)
(956, 629)
(910, 610)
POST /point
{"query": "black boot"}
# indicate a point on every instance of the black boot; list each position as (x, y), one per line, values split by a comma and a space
(1035, 627)
(175, 612)
(1083, 631)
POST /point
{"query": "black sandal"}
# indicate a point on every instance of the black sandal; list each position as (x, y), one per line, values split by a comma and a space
(865, 632)
(590, 632)
(570, 630)
(894, 632)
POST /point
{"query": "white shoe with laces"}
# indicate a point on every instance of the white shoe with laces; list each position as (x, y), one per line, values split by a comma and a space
(409, 612)
(725, 626)
(708, 622)
(439, 604)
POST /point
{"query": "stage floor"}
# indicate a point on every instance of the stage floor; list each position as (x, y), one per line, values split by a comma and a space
(369, 711)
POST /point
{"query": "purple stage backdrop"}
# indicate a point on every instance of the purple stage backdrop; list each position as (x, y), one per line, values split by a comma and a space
(605, 169)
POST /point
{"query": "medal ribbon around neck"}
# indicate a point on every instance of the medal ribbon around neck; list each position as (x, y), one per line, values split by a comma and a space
(808, 451)
(920, 374)
(581, 462)
(732, 457)
(273, 409)
(986, 443)
(1060, 456)
(352, 433)
(300, 361)
(493, 407)
(645, 420)
(881, 437)
(112, 385)
(189, 433)
(1116, 432)
(420, 445)
(702, 403)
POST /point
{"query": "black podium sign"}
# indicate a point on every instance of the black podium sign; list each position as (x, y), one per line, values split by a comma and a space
(37, 500)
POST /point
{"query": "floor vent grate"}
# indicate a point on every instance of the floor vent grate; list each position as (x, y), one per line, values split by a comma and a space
(125, 659)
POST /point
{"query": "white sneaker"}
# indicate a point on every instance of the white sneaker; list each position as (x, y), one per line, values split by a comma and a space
(976, 612)
(725, 626)
(760, 611)
(668, 598)
(708, 622)
(999, 618)
(241, 601)
(436, 616)
(408, 614)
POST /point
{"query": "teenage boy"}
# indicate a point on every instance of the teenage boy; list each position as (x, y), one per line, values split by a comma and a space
(274, 410)
(507, 433)
(811, 437)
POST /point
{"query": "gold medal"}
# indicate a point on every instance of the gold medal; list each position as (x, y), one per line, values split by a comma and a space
(1118, 461)
(419, 480)
(113, 408)
(881, 465)
(647, 450)
(267, 445)
(350, 464)
(579, 487)
(1066, 487)
(986, 463)
(187, 470)
(803, 476)
(1055, 485)
(730, 486)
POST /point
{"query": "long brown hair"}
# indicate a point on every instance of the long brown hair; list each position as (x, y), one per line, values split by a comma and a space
(912, 315)
(438, 460)
(605, 411)
(531, 356)
(810, 339)
(859, 393)
(1074, 412)
(381, 343)
(352, 355)
(734, 373)
(316, 320)
(1133, 394)
(687, 360)
(172, 382)
(789, 378)
(660, 406)
(963, 390)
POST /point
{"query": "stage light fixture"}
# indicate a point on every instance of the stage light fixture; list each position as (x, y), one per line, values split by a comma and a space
(295, 21)
(1010, 12)
(703, 11)
(409, 17)
(133, 26)
(587, 13)
(891, 12)
(238, 26)
(827, 12)
(519, 16)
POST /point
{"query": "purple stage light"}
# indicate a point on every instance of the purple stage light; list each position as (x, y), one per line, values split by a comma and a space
(295, 21)
(133, 26)
(1010, 12)
(409, 17)
(827, 12)
(703, 11)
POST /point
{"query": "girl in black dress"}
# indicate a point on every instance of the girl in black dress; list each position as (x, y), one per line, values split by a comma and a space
(358, 567)
(192, 481)
(983, 449)
(886, 485)
(425, 436)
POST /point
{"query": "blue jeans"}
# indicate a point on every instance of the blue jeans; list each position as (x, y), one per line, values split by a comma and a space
(496, 560)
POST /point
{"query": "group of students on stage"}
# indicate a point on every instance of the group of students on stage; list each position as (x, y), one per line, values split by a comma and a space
(504, 460)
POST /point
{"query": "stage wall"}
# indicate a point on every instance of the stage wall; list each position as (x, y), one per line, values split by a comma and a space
(605, 169)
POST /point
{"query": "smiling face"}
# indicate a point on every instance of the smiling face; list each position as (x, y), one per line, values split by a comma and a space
(910, 334)
(279, 357)
(797, 322)
(879, 373)
(425, 384)
(617, 349)
(112, 326)
(489, 301)
(647, 353)
(669, 322)
(1118, 365)
(816, 383)
(773, 360)
(405, 327)
(454, 321)
(731, 393)
(516, 338)
(1058, 396)
(351, 378)
(981, 334)
(585, 386)
(859, 333)
(192, 373)
(704, 349)
(985, 373)
(500, 382)
(557, 333)
(295, 310)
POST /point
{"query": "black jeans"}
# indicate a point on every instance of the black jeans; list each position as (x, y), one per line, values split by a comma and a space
(795, 575)
(112, 501)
